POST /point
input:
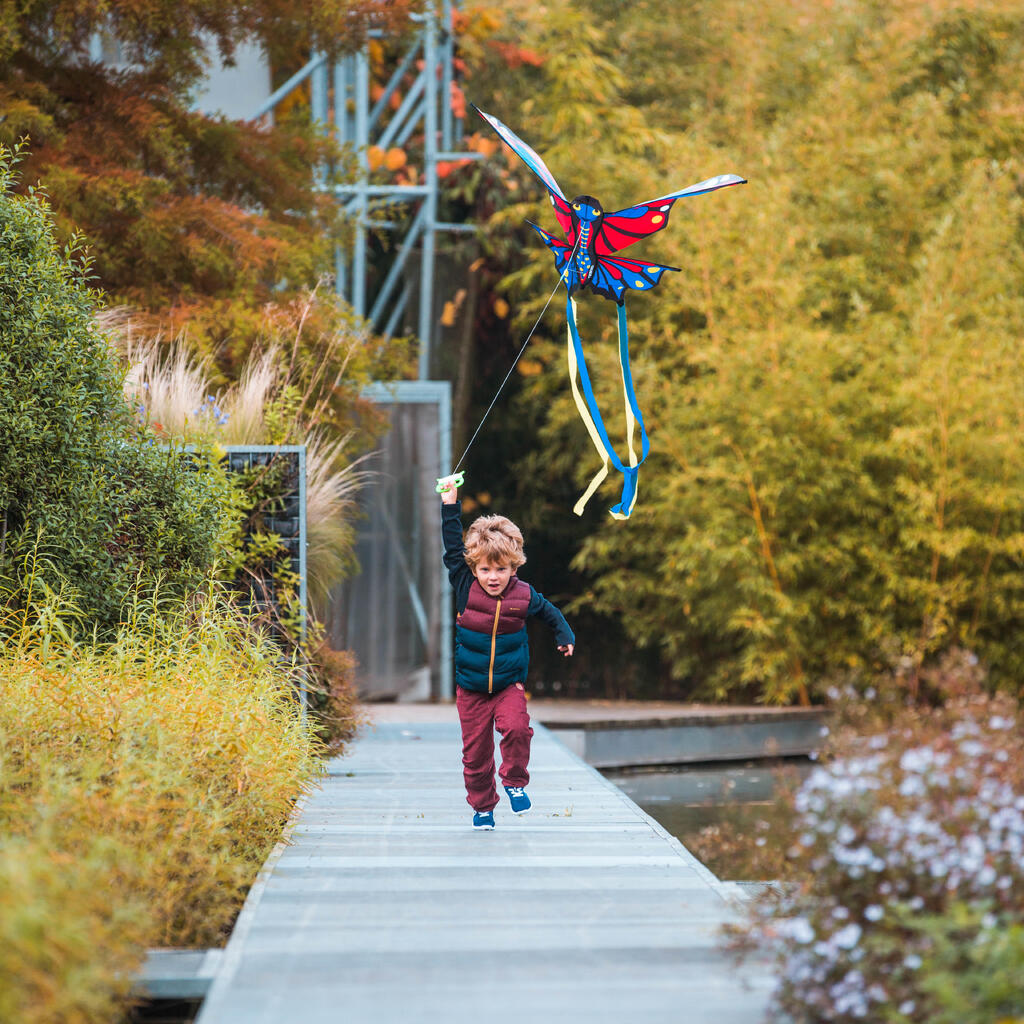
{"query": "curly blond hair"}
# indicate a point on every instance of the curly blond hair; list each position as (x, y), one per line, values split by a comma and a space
(494, 539)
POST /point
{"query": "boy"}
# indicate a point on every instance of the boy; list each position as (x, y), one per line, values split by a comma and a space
(492, 652)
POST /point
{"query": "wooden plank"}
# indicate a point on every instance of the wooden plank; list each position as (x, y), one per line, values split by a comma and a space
(389, 907)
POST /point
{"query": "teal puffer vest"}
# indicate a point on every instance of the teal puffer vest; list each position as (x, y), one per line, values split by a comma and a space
(491, 648)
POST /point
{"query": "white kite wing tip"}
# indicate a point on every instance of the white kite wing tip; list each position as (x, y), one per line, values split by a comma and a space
(708, 185)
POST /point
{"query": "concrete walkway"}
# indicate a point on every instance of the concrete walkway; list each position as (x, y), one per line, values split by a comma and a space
(387, 907)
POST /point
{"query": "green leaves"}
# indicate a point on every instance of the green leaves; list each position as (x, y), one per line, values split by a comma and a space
(88, 498)
(833, 385)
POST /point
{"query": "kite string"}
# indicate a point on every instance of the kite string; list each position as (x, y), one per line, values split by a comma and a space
(516, 360)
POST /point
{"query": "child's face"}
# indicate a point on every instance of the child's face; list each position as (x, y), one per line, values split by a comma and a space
(492, 576)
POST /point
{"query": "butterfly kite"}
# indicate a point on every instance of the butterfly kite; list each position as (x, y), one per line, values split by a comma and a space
(585, 260)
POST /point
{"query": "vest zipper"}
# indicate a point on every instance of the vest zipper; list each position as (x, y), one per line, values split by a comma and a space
(494, 640)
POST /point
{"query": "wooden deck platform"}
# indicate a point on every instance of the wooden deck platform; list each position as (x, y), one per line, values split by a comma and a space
(387, 906)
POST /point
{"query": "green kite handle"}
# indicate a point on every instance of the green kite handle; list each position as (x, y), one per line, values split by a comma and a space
(445, 483)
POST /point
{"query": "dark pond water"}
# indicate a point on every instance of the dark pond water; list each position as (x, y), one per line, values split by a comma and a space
(687, 799)
(165, 1011)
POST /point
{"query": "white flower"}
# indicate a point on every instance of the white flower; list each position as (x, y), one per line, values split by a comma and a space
(912, 786)
(913, 961)
(798, 929)
(846, 835)
(848, 937)
(917, 759)
(907, 1006)
(874, 912)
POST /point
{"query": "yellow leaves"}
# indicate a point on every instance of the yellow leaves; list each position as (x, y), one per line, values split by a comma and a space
(392, 160)
(395, 159)
(180, 752)
(501, 308)
(452, 307)
(480, 143)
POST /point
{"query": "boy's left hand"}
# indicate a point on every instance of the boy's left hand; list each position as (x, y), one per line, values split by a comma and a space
(567, 649)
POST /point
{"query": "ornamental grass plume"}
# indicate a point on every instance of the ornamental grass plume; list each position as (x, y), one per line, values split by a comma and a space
(173, 392)
(143, 785)
(169, 390)
(332, 483)
(909, 842)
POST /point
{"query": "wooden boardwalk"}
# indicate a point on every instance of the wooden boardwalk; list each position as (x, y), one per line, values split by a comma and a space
(387, 907)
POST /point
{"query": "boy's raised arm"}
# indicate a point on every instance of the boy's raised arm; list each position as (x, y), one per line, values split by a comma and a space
(459, 574)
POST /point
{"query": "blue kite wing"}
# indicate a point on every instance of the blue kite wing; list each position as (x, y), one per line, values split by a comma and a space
(561, 252)
(614, 276)
(624, 227)
(525, 153)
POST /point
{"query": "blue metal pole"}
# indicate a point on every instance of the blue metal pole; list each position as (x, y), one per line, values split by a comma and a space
(447, 78)
(361, 69)
(430, 203)
(279, 94)
(447, 688)
(341, 127)
(407, 106)
(303, 567)
(319, 109)
(393, 83)
(397, 265)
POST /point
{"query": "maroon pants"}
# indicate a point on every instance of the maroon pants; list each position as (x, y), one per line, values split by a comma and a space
(480, 714)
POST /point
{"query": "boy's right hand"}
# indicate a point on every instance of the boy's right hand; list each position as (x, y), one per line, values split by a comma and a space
(448, 489)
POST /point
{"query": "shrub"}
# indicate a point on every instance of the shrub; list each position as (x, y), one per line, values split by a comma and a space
(909, 843)
(144, 783)
(175, 395)
(100, 504)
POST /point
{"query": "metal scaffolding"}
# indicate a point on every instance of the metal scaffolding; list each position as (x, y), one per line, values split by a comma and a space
(340, 101)
(396, 614)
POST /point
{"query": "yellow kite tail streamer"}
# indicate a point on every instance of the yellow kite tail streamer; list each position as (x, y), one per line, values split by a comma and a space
(588, 422)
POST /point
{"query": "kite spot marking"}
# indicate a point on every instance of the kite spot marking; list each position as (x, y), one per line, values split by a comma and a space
(657, 218)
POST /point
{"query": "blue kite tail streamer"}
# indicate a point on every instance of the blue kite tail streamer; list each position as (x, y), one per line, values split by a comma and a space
(633, 415)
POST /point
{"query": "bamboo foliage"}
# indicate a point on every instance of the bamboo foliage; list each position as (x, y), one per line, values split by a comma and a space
(833, 384)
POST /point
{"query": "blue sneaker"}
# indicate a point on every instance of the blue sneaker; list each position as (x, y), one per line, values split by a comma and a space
(518, 799)
(483, 819)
